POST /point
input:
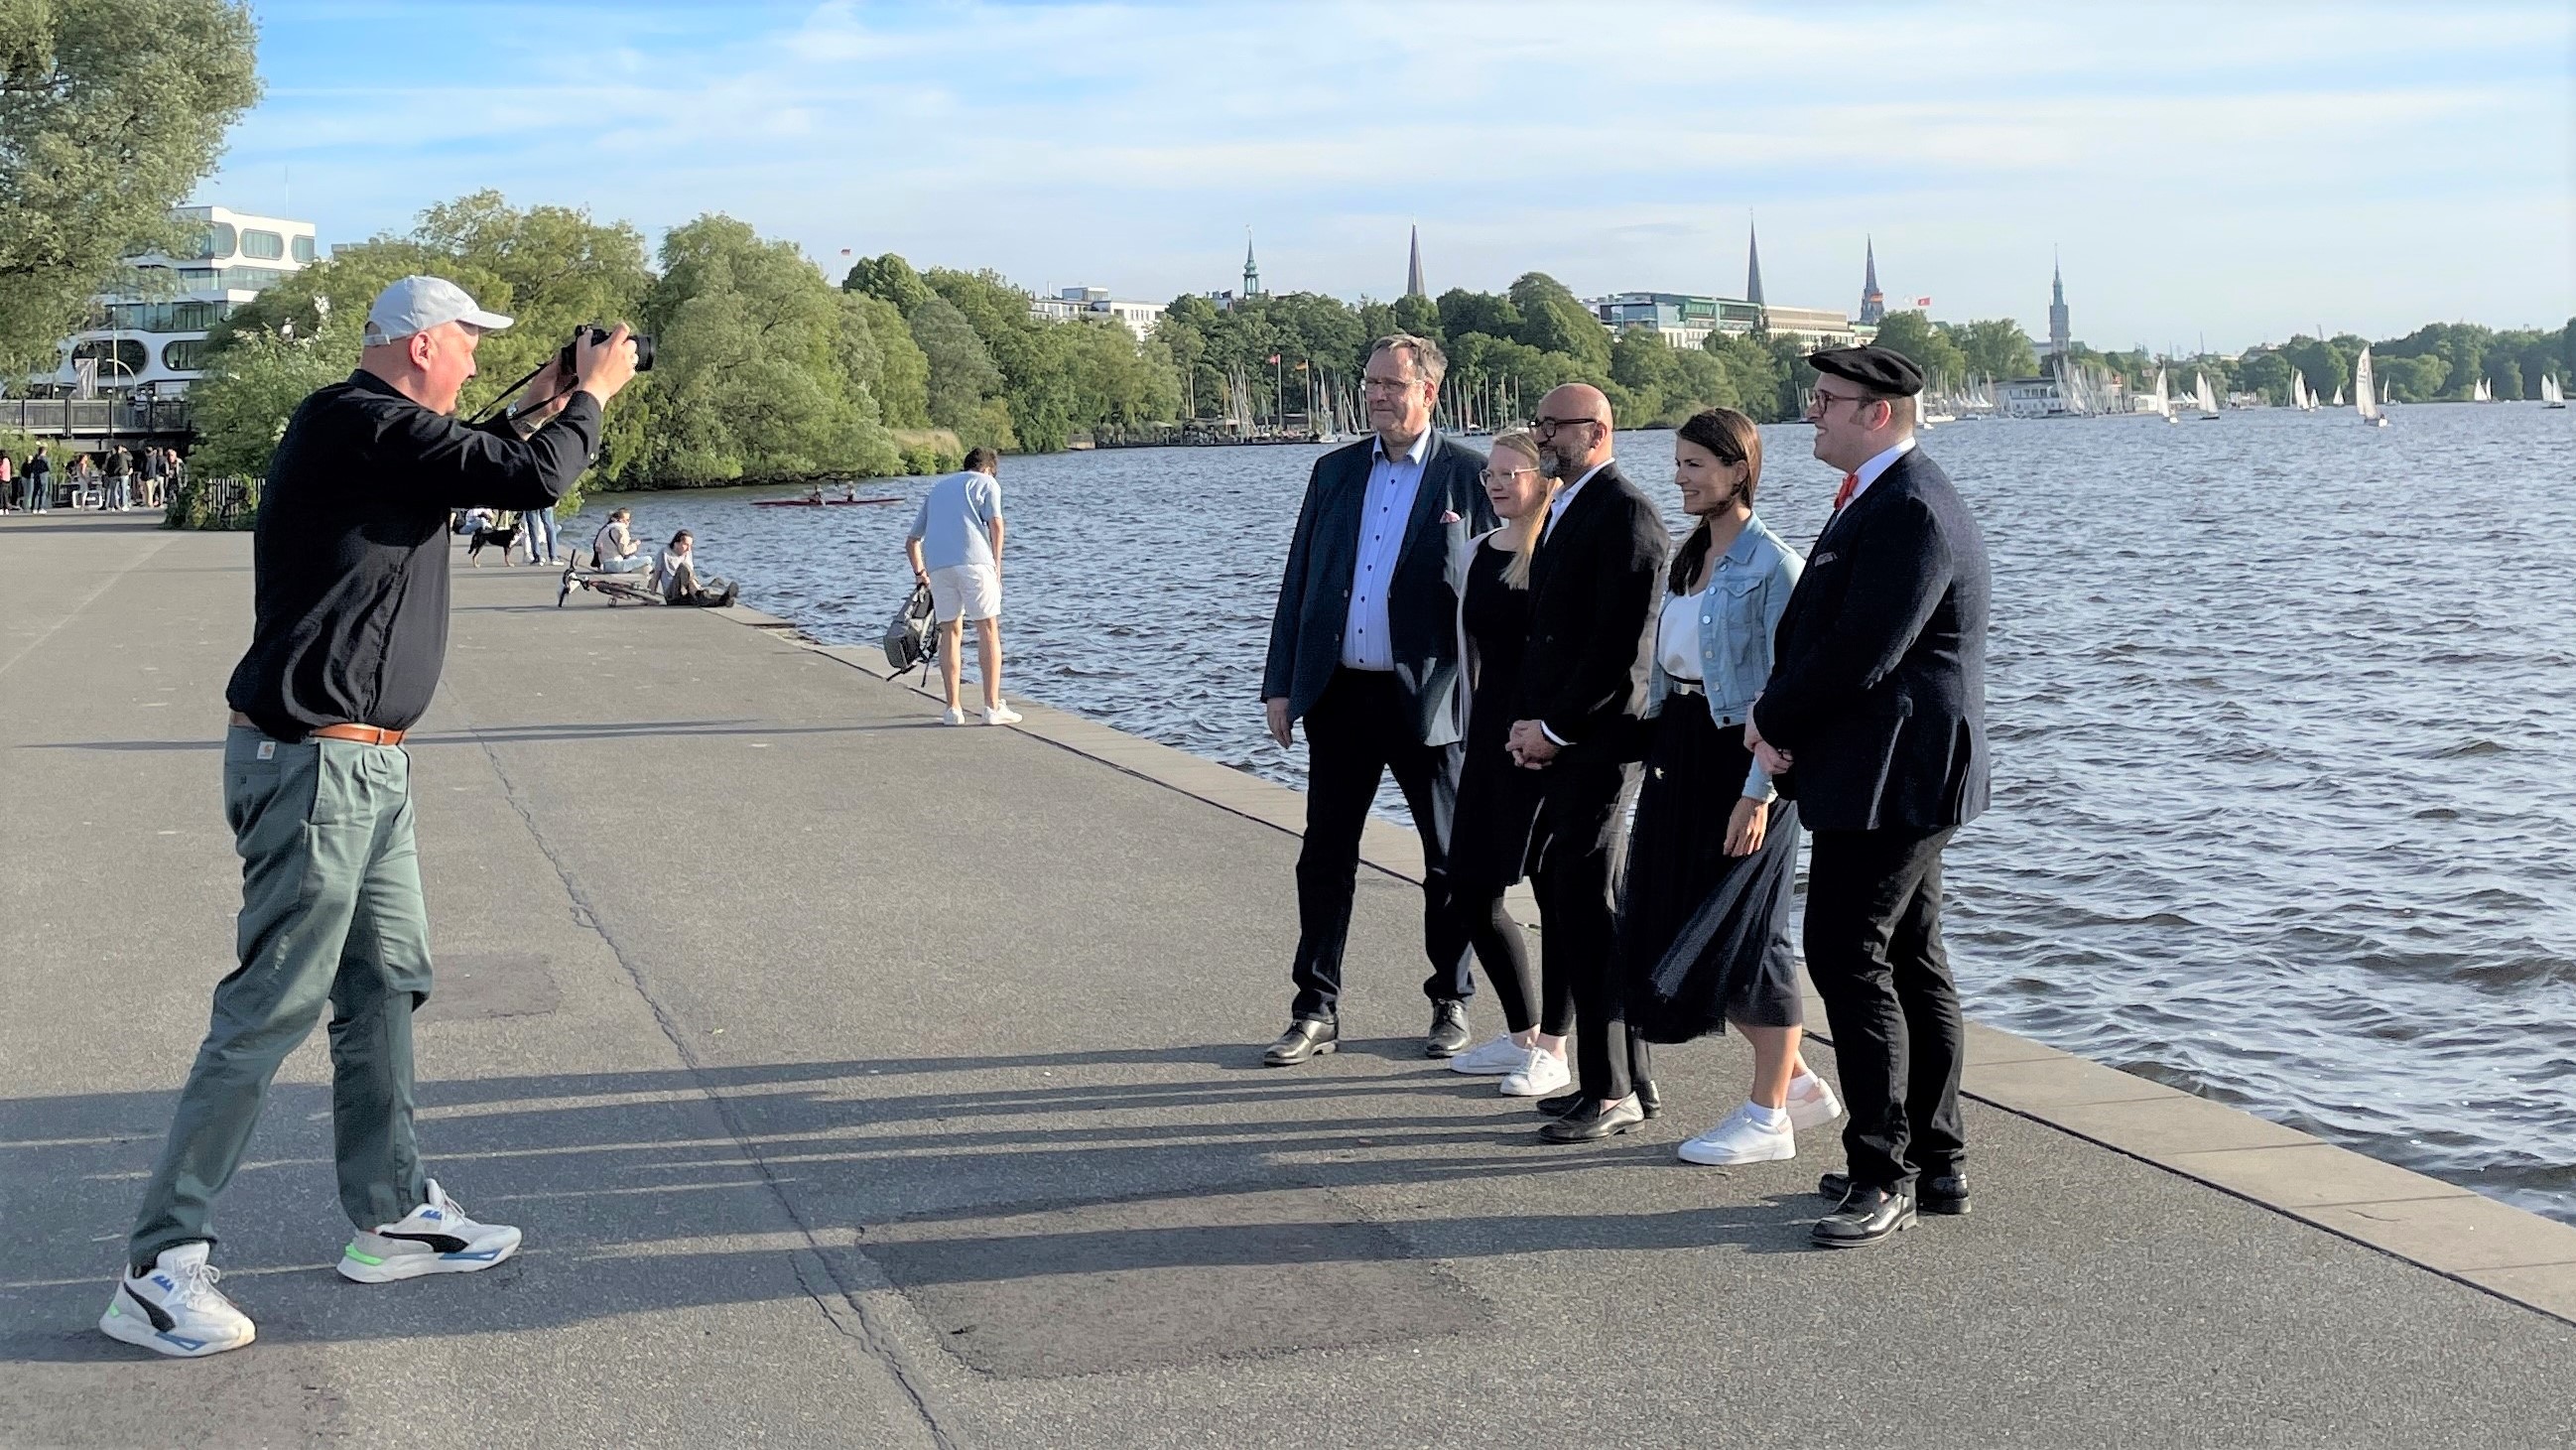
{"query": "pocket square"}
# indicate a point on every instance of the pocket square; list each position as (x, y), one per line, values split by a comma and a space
(1821, 560)
(1449, 516)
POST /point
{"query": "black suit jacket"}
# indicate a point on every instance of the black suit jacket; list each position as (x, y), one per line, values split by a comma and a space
(1878, 681)
(1594, 586)
(1421, 605)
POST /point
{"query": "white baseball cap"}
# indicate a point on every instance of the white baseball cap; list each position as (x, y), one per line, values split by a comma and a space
(417, 304)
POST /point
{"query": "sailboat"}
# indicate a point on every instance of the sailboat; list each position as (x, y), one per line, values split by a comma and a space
(2364, 401)
(2338, 397)
(2201, 395)
(2482, 393)
(2164, 398)
(2300, 397)
(2552, 395)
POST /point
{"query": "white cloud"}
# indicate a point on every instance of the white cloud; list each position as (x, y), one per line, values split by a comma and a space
(2222, 169)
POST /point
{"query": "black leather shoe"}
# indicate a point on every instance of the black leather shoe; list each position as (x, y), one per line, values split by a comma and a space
(1448, 1034)
(1944, 1193)
(1305, 1038)
(1592, 1121)
(1561, 1104)
(1868, 1216)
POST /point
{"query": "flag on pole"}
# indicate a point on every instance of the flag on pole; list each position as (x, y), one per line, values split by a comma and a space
(1922, 301)
(1274, 357)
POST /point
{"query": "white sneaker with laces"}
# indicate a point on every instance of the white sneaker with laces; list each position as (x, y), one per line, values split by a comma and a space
(954, 716)
(1541, 1072)
(1001, 714)
(435, 1238)
(1812, 1103)
(174, 1308)
(1491, 1059)
(1741, 1138)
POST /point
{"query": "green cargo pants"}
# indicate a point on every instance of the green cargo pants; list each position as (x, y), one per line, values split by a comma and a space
(331, 910)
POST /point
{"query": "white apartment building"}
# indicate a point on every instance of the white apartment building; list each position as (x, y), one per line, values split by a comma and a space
(158, 341)
(1072, 302)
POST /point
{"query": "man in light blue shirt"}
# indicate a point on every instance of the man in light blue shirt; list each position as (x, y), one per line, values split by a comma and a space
(1385, 509)
(956, 548)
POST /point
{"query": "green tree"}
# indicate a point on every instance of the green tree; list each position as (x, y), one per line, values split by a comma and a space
(963, 382)
(1994, 348)
(2267, 373)
(902, 384)
(1463, 312)
(109, 114)
(1553, 321)
(1912, 334)
(1759, 381)
(889, 277)
(1419, 316)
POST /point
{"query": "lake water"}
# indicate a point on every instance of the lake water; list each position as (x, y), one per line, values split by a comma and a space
(2284, 713)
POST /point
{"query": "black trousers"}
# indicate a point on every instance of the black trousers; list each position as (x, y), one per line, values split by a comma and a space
(1874, 949)
(1580, 827)
(1355, 734)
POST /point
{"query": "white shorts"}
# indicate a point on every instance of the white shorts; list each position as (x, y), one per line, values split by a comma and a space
(968, 591)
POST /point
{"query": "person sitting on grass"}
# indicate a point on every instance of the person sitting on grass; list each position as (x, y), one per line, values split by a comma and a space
(675, 578)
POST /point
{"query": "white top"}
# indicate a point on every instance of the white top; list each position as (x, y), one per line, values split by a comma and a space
(1868, 472)
(669, 564)
(1677, 638)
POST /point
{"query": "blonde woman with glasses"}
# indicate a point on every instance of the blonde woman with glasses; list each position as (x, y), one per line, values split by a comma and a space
(1497, 800)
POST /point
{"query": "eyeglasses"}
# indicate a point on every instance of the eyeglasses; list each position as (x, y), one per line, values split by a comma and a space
(1388, 385)
(1494, 476)
(1819, 400)
(1547, 428)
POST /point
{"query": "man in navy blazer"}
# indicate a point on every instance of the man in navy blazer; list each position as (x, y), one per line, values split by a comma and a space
(1364, 649)
(1874, 718)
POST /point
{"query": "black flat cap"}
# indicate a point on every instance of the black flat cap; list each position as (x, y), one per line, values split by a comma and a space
(1890, 374)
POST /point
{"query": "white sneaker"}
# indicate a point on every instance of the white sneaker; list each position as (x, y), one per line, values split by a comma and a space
(954, 716)
(1491, 1059)
(1812, 1103)
(1001, 714)
(175, 1309)
(1541, 1072)
(435, 1238)
(1742, 1138)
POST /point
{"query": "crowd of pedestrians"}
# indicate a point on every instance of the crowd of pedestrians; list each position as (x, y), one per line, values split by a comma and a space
(1645, 731)
(114, 480)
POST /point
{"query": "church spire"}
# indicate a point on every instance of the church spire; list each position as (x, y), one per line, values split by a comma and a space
(1251, 269)
(1413, 269)
(1752, 264)
(1873, 303)
(2059, 332)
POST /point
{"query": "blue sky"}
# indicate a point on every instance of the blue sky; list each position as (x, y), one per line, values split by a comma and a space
(2238, 172)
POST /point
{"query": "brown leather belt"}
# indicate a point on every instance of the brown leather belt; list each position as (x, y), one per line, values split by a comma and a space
(363, 734)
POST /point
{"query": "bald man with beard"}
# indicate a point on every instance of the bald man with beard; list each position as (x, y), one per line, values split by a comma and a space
(1594, 586)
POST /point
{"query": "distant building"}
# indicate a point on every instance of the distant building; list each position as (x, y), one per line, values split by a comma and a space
(2058, 334)
(1413, 285)
(1077, 302)
(1684, 319)
(1814, 326)
(2030, 398)
(1873, 303)
(159, 340)
(1752, 264)
(1251, 269)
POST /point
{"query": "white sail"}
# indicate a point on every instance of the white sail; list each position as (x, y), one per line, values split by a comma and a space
(2482, 393)
(2200, 394)
(2365, 398)
(2164, 395)
(2300, 397)
(2550, 392)
(2338, 397)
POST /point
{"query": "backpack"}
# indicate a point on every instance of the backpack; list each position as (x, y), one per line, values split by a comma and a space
(909, 638)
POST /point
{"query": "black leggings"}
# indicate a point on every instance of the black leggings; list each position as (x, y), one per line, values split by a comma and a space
(1501, 947)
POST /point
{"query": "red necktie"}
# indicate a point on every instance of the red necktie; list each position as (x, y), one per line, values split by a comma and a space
(1843, 495)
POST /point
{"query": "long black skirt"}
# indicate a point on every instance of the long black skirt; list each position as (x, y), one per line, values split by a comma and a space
(1704, 937)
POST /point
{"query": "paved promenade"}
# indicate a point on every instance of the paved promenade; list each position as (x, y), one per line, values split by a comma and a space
(863, 1082)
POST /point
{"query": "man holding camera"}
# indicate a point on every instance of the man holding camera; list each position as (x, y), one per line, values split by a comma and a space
(349, 634)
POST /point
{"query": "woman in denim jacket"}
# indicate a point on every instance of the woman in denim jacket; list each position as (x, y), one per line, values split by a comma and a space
(1704, 911)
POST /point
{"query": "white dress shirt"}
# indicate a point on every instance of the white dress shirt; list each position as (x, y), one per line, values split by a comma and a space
(1868, 472)
(1385, 512)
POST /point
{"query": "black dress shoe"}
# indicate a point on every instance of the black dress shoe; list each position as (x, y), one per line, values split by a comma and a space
(1592, 1120)
(1944, 1193)
(1448, 1034)
(1305, 1037)
(1561, 1104)
(1868, 1216)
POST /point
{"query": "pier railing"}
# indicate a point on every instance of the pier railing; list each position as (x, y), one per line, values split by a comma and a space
(213, 503)
(94, 417)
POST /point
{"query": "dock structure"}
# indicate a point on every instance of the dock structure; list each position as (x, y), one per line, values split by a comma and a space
(860, 1081)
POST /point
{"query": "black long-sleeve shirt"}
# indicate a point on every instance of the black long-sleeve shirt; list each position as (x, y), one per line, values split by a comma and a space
(350, 554)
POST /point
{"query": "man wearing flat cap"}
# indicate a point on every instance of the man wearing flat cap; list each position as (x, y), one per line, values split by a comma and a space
(348, 633)
(1874, 718)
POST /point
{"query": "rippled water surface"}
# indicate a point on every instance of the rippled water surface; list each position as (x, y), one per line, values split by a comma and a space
(2284, 711)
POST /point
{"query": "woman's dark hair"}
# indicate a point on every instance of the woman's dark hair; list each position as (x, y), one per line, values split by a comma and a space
(676, 538)
(1734, 439)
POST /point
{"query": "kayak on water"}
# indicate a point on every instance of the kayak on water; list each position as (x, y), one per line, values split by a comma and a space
(811, 503)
